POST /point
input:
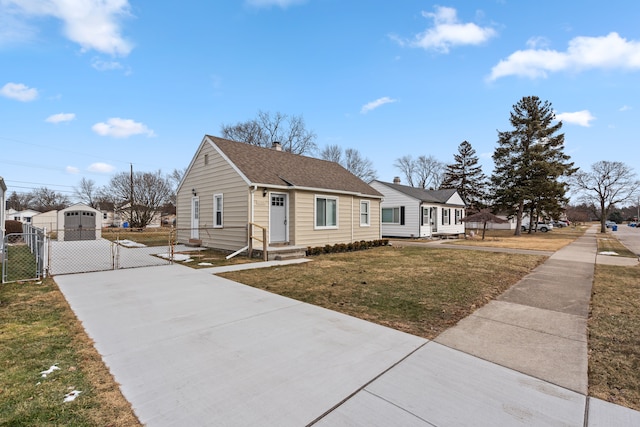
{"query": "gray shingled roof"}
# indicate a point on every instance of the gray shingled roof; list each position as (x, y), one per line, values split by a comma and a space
(280, 168)
(430, 196)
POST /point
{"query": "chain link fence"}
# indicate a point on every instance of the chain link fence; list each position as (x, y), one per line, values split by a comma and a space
(23, 255)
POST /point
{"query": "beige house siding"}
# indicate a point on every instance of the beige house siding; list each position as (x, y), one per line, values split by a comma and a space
(349, 228)
(216, 177)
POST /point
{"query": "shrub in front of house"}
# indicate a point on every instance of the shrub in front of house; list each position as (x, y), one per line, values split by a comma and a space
(346, 247)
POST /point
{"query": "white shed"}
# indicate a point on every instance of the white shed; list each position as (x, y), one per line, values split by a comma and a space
(79, 222)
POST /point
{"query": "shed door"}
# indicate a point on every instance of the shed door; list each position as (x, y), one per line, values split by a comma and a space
(79, 225)
(278, 218)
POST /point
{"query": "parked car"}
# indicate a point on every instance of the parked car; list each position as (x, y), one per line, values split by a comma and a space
(541, 226)
(610, 224)
(560, 223)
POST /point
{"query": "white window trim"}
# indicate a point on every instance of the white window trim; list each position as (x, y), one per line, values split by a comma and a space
(368, 204)
(315, 213)
(215, 213)
(390, 207)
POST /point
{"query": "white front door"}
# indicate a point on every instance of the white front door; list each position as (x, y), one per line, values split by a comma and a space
(434, 220)
(278, 218)
(195, 217)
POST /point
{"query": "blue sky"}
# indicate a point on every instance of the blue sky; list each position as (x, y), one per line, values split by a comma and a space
(88, 87)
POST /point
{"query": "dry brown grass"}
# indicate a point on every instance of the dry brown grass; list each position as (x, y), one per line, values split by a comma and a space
(39, 330)
(422, 291)
(550, 241)
(614, 336)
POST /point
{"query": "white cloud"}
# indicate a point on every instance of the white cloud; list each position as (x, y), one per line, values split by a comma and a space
(448, 32)
(101, 168)
(268, 3)
(583, 53)
(624, 108)
(537, 43)
(19, 91)
(121, 128)
(72, 170)
(102, 65)
(580, 118)
(94, 25)
(375, 104)
(60, 117)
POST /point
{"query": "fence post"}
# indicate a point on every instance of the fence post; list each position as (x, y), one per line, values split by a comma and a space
(265, 256)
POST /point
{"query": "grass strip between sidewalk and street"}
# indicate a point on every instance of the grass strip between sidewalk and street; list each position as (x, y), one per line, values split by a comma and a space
(614, 335)
(38, 331)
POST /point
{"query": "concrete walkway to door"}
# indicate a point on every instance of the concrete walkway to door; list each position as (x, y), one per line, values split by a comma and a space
(190, 348)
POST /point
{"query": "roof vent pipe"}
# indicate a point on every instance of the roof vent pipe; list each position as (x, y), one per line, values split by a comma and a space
(276, 146)
(396, 180)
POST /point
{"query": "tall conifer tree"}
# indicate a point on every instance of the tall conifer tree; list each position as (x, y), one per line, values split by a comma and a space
(466, 176)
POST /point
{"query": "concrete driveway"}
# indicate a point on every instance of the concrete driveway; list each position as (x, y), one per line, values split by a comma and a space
(192, 349)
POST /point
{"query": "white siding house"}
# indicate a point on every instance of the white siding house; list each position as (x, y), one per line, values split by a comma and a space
(415, 212)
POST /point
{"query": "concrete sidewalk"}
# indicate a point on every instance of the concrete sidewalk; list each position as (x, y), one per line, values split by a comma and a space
(190, 348)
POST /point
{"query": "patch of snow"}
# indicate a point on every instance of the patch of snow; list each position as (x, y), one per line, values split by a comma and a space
(176, 257)
(204, 263)
(71, 396)
(607, 253)
(50, 370)
(130, 244)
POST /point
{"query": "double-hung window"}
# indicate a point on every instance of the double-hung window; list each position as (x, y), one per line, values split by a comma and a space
(364, 213)
(326, 212)
(393, 215)
(217, 210)
(446, 216)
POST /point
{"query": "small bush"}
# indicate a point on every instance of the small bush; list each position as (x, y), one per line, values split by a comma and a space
(346, 247)
(12, 226)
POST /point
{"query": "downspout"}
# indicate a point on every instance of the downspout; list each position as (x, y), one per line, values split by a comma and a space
(251, 213)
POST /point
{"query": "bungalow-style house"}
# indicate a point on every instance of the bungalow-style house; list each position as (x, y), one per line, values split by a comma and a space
(416, 212)
(300, 201)
(22, 216)
(3, 204)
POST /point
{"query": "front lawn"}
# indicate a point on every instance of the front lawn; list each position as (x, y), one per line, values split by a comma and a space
(422, 291)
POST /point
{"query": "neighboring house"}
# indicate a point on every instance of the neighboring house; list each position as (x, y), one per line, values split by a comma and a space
(301, 201)
(509, 225)
(416, 212)
(3, 204)
(48, 220)
(22, 216)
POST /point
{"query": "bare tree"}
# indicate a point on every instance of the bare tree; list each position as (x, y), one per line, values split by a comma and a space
(268, 128)
(151, 190)
(607, 184)
(45, 199)
(407, 166)
(333, 153)
(86, 192)
(424, 172)
(19, 201)
(351, 160)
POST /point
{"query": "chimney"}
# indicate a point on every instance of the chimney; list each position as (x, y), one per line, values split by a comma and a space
(396, 180)
(276, 146)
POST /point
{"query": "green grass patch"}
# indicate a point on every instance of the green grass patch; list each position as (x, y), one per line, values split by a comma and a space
(38, 331)
(20, 263)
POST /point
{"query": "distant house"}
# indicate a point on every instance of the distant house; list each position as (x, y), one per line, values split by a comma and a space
(300, 201)
(3, 204)
(509, 225)
(22, 216)
(415, 212)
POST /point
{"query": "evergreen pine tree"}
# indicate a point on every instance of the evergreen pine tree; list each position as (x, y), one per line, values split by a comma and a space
(530, 163)
(466, 176)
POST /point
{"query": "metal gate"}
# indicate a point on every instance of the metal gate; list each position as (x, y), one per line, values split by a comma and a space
(23, 256)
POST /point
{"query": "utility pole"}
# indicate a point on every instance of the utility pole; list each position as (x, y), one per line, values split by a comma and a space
(131, 196)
